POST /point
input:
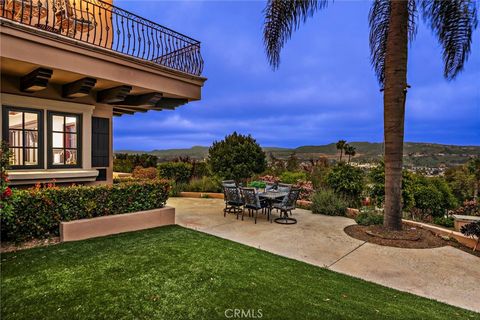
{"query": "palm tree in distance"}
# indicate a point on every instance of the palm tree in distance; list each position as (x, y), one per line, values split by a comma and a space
(341, 146)
(392, 27)
(350, 151)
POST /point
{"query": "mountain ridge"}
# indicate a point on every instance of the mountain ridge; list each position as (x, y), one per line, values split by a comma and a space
(415, 153)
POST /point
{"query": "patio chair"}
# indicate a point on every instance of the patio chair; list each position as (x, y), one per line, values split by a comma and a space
(253, 202)
(285, 207)
(233, 201)
(269, 186)
(284, 187)
(229, 183)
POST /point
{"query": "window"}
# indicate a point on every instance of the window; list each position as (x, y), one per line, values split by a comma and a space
(64, 140)
(23, 130)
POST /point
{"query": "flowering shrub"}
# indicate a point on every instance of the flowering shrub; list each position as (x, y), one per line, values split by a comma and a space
(37, 212)
(144, 173)
(269, 179)
(305, 186)
(306, 189)
(5, 191)
(469, 208)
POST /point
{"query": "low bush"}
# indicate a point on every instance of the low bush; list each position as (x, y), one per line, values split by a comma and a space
(144, 173)
(292, 177)
(368, 218)
(37, 212)
(176, 188)
(444, 221)
(205, 184)
(326, 201)
(176, 171)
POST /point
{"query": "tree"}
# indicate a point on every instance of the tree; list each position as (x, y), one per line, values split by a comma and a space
(292, 162)
(341, 146)
(237, 157)
(392, 26)
(350, 151)
(461, 182)
(474, 168)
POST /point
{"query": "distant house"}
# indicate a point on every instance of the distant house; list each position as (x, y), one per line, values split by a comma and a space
(68, 67)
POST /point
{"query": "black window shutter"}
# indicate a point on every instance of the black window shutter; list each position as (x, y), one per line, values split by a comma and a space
(100, 142)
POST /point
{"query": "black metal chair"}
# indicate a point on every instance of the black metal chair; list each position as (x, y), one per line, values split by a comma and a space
(253, 202)
(270, 186)
(233, 201)
(284, 187)
(285, 207)
(229, 183)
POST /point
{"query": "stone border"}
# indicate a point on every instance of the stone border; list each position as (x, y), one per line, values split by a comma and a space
(107, 225)
(466, 241)
(213, 195)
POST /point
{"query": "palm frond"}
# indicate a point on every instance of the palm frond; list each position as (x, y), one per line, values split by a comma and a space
(453, 21)
(379, 21)
(282, 17)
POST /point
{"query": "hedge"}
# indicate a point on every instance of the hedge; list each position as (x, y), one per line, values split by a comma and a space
(176, 171)
(37, 212)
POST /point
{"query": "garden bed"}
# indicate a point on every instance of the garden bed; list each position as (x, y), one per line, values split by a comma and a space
(416, 235)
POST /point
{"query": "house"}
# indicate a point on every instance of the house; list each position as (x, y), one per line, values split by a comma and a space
(68, 68)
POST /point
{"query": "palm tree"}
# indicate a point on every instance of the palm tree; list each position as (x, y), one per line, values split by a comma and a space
(392, 26)
(341, 146)
(350, 151)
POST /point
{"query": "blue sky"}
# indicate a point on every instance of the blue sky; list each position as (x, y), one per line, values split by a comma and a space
(325, 89)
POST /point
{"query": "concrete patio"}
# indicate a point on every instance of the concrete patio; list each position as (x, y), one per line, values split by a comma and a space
(445, 274)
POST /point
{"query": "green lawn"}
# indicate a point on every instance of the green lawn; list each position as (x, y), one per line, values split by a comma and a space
(176, 273)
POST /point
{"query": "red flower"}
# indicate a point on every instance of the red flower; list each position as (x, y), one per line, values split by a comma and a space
(7, 193)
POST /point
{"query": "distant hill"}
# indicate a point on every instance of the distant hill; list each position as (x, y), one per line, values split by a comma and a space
(415, 153)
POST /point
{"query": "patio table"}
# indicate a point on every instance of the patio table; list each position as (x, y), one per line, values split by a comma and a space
(271, 197)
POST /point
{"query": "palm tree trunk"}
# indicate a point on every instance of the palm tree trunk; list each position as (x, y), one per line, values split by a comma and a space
(394, 111)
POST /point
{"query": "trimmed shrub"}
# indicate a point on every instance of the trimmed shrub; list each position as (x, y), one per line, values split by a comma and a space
(144, 173)
(205, 184)
(176, 171)
(37, 212)
(368, 217)
(327, 202)
(292, 177)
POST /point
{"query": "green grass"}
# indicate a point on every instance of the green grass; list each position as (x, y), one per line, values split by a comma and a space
(176, 273)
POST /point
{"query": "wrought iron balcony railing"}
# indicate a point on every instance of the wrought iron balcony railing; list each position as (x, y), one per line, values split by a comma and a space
(105, 25)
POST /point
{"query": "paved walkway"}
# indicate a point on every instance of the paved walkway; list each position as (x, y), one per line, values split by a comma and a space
(445, 274)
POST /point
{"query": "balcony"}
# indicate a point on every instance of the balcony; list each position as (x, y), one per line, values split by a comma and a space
(106, 26)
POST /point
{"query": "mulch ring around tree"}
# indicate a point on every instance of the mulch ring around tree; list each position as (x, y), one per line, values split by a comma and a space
(410, 237)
